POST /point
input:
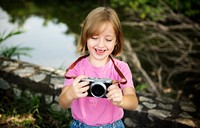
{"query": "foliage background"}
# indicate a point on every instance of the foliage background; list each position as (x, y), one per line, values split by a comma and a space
(163, 34)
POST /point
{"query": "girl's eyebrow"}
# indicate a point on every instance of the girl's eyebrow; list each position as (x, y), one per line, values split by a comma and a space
(95, 34)
(110, 35)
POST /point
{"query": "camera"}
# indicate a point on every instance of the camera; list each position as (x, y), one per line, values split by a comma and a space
(98, 86)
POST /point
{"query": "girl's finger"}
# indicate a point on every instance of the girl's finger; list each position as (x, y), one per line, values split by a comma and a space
(78, 79)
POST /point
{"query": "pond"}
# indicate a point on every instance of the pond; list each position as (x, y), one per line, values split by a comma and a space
(51, 45)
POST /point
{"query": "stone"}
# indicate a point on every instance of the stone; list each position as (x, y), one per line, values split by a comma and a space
(57, 82)
(149, 105)
(142, 99)
(17, 92)
(48, 99)
(56, 98)
(139, 108)
(158, 113)
(166, 100)
(25, 72)
(4, 84)
(10, 66)
(56, 107)
(14, 85)
(165, 106)
(185, 115)
(186, 103)
(58, 86)
(187, 122)
(38, 77)
(188, 108)
(129, 122)
(60, 72)
(38, 94)
(28, 94)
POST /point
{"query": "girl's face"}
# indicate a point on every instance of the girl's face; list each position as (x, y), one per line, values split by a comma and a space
(102, 44)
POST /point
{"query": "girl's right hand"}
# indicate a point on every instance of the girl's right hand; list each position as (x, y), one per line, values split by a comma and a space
(79, 88)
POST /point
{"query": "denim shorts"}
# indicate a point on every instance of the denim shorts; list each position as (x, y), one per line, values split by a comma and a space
(78, 124)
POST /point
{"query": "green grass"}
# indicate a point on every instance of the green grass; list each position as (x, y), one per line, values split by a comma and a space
(29, 112)
(15, 50)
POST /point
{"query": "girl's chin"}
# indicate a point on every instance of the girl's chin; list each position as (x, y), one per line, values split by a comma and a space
(99, 54)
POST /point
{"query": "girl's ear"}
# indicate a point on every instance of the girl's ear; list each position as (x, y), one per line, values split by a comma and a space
(116, 46)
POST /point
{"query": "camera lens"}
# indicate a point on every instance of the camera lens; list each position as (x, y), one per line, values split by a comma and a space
(98, 89)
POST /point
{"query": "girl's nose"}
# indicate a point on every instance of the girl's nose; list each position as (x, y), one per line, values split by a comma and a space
(101, 43)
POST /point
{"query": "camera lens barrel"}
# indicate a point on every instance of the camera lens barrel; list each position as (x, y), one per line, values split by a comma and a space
(98, 89)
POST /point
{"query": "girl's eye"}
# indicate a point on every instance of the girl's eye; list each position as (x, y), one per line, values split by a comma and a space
(94, 37)
(109, 40)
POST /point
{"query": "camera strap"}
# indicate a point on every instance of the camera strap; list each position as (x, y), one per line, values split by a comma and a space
(72, 66)
(123, 81)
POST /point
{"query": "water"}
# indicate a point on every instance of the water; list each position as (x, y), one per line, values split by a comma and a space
(51, 45)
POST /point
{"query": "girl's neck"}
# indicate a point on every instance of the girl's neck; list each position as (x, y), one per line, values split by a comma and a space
(98, 63)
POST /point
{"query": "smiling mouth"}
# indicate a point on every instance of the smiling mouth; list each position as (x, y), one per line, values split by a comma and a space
(99, 51)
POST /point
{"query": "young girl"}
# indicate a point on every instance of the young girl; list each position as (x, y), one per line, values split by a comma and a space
(101, 38)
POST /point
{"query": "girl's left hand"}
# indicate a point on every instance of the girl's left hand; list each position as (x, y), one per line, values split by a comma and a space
(115, 94)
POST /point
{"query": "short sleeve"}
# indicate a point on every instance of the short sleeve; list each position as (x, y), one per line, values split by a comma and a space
(128, 75)
(71, 72)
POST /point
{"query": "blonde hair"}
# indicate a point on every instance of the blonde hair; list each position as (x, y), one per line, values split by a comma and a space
(91, 25)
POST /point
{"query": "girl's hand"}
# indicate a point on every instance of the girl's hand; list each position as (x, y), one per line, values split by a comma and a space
(79, 88)
(115, 95)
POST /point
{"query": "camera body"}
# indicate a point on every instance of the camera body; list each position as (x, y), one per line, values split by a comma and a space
(98, 86)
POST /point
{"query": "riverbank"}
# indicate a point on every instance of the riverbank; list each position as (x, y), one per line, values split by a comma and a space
(29, 96)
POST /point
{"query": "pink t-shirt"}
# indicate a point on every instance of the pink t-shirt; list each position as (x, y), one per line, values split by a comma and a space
(98, 111)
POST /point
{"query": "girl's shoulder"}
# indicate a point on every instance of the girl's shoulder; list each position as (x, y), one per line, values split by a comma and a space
(82, 63)
(78, 63)
(120, 63)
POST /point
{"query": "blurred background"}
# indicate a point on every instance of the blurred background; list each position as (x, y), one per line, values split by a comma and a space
(164, 36)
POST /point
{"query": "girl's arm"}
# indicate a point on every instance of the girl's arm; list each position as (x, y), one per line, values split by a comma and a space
(65, 100)
(129, 100)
